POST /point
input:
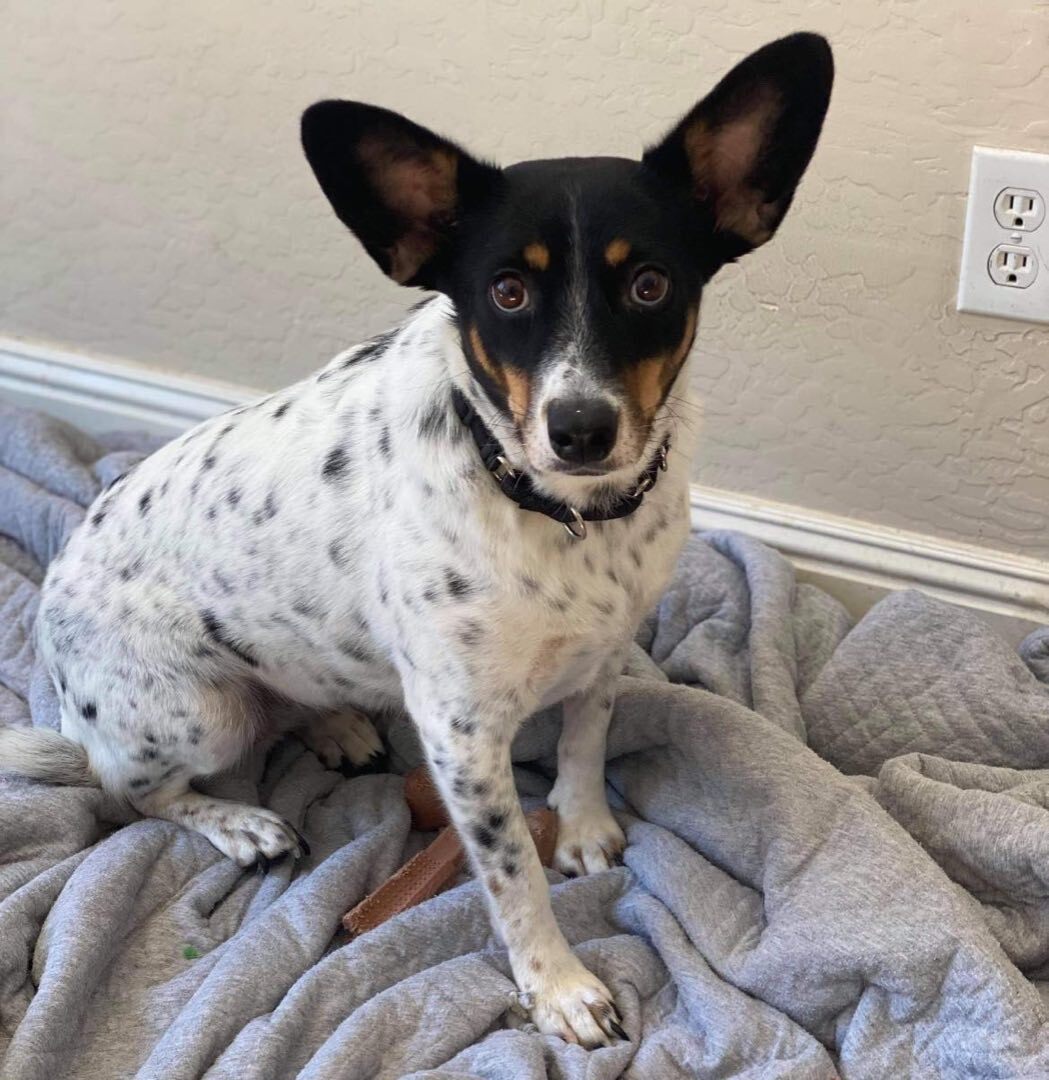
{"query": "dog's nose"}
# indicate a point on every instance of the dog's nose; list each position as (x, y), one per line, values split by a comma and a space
(582, 430)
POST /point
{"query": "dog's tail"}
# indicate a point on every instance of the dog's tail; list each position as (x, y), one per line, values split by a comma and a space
(42, 754)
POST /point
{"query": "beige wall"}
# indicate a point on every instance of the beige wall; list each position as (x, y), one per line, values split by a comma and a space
(156, 208)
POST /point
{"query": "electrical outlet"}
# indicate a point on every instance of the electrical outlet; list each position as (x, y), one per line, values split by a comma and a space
(1006, 247)
(1012, 266)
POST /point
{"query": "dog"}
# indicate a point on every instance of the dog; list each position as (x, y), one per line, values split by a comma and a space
(465, 518)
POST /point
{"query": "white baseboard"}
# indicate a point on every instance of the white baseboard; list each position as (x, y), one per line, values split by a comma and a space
(856, 560)
(109, 395)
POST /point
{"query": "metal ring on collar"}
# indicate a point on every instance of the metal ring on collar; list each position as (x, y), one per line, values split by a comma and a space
(576, 528)
(503, 469)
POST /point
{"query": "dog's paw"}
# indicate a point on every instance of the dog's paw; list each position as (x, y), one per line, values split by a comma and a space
(588, 843)
(252, 836)
(344, 736)
(576, 1006)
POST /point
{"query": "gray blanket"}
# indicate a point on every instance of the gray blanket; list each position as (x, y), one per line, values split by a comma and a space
(838, 859)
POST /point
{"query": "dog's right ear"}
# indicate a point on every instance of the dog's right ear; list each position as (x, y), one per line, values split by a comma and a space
(397, 186)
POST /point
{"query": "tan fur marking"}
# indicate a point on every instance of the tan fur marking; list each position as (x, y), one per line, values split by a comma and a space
(537, 255)
(617, 251)
(492, 369)
(518, 392)
(648, 381)
(512, 382)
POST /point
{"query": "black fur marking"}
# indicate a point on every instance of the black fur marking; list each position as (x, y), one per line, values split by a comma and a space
(233, 496)
(139, 782)
(635, 554)
(484, 836)
(212, 512)
(280, 410)
(150, 737)
(510, 868)
(217, 631)
(458, 586)
(89, 711)
(384, 443)
(470, 633)
(371, 350)
(463, 726)
(208, 463)
(145, 502)
(98, 518)
(530, 584)
(354, 651)
(434, 422)
(496, 820)
(196, 731)
(268, 511)
(337, 555)
(335, 464)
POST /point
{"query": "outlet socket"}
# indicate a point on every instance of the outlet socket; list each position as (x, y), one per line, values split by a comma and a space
(1006, 248)
(1013, 266)
(1019, 209)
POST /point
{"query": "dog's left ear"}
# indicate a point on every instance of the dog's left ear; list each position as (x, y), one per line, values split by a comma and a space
(742, 150)
(399, 187)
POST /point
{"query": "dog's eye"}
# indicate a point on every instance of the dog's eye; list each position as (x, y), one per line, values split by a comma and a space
(508, 293)
(649, 287)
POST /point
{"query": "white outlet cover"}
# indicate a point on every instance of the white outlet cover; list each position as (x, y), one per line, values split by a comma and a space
(992, 171)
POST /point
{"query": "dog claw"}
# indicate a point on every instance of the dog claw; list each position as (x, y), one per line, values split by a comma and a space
(303, 850)
(617, 1029)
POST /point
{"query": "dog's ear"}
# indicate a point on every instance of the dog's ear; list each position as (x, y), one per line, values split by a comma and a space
(741, 151)
(399, 187)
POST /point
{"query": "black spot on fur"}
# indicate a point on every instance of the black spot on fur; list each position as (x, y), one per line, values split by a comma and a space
(211, 513)
(268, 511)
(233, 496)
(433, 422)
(384, 443)
(470, 633)
(89, 711)
(335, 464)
(280, 410)
(496, 820)
(337, 555)
(98, 517)
(530, 584)
(195, 733)
(484, 836)
(218, 633)
(145, 502)
(371, 350)
(510, 868)
(354, 651)
(150, 737)
(208, 463)
(463, 726)
(306, 607)
(481, 788)
(137, 783)
(458, 586)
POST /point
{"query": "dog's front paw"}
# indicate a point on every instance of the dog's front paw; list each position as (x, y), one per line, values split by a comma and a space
(588, 843)
(575, 1005)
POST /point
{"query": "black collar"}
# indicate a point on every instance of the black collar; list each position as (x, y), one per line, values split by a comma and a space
(518, 486)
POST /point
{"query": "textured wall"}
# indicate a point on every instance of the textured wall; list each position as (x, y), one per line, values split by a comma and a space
(156, 208)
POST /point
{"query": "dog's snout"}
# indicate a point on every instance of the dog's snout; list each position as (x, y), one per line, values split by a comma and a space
(582, 430)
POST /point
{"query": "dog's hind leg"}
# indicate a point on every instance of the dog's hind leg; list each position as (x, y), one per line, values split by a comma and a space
(180, 732)
(249, 835)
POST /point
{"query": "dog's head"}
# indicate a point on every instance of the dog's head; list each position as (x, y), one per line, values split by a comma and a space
(577, 281)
